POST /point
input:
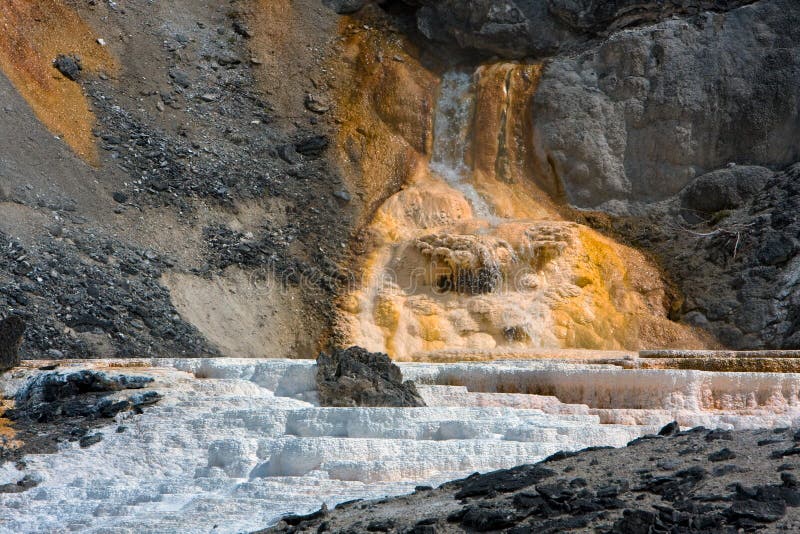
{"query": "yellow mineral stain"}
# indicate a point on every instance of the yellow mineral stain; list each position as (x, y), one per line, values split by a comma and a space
(384, 105)
(32, 34)
(475, 255)
(7, 433)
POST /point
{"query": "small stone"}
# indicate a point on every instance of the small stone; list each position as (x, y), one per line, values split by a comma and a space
(180, 78)
(342, 195)
(55, 354)
(344, 7)
(88, 441)
(241, 28)
(316, 104)
(209, 97)
(119, 197)
(722, 455)
(69, 66)
(312, 146)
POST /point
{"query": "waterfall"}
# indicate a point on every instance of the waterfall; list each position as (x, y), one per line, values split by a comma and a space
(451, 137)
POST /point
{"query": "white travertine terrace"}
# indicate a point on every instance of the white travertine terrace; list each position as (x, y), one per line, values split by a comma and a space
(237, 443)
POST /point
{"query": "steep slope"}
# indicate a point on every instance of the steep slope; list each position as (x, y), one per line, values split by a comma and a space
(204, 199)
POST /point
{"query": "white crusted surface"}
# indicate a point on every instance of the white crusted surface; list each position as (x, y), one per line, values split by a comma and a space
(237, 443)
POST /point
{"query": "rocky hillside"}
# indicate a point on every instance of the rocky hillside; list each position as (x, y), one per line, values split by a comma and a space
(199, 179)
(163, 189)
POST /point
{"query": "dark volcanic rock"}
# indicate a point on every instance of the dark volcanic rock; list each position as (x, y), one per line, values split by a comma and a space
(51, 395)
(69, 66)
(52, 407)
(12, 330)
(614, 493)
(357, 377)
(345, 7)
(540, 28)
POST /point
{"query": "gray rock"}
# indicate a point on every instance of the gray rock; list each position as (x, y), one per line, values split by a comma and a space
(12, 330)
(69, 66)
(541, 28)
(641, 115)
(641, 97)
(345, 7)
(724, 189)
(357, 377)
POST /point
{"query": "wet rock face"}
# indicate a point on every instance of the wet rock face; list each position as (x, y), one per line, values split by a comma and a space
(12, 330)
(357, 377)
(623, 112)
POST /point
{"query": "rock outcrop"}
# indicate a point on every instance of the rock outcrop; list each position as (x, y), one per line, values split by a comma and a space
(12, 330)
(639, 98)
(639, 116)
(729, 239)
(540, 28)
(357, 377)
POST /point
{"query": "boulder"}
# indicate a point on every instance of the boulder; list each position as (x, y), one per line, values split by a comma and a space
(724, 189)
(12, 330)
(344, 7)
(357, 377)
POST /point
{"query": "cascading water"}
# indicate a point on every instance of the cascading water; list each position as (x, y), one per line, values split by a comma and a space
(451, 137)
(471, 256)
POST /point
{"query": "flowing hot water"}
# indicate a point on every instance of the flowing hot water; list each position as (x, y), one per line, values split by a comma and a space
(471, 257)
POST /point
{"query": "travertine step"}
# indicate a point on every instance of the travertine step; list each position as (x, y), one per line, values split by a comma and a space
(705, 354)
(237, 443)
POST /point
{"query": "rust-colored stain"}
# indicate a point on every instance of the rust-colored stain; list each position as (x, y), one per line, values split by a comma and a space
(7, 433)
(32, 34)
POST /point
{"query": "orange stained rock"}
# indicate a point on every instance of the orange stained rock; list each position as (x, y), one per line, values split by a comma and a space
(501, 152)
(32, 34)
(7, 432)
(385, 102)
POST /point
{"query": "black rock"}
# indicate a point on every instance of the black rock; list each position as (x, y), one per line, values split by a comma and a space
(12, 331)
(381, 525)
(635, 522)
(719, 434)
(242, 29)
(119, 196)
(670, 429)
(88, 441)
(763, 512)
(24, 484)
(722, 455)
(344, 7)
(69, 66)
(486, 519)
(503, 481)
(357, 377)
(312, 146)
